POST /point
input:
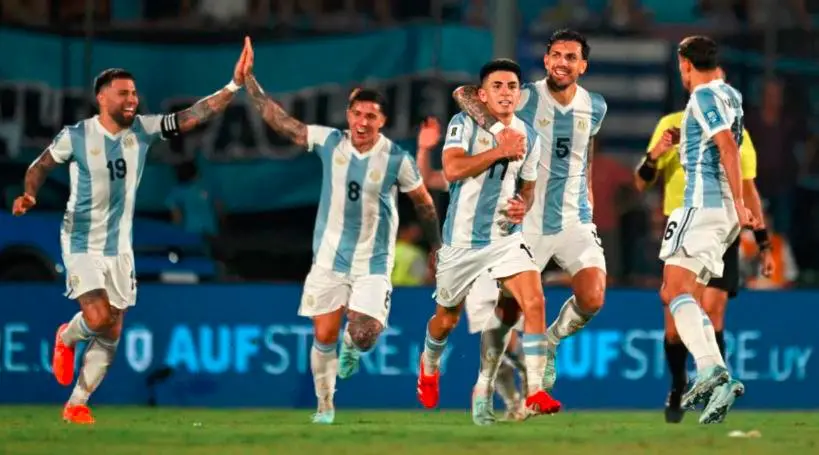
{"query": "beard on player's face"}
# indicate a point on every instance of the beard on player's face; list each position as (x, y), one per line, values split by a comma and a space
(123, 119)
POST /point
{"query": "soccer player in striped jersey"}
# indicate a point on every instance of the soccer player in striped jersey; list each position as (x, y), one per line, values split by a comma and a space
(566, 117)
(482, 234)
(106, 156)
(662, 157)
(712, 214)
(355, 232)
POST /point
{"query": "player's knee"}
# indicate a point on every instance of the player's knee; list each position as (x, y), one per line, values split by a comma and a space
(447, 318)
(670, 291)
(364, 331)
(99, 316)
(325, 334)
(591, 298)
(534, 303)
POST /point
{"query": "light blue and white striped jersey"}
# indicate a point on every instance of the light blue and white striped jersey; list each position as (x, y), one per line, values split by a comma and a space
(474, 218)
(357, 217)
(712, 108)
(562, 191)
(105, 170)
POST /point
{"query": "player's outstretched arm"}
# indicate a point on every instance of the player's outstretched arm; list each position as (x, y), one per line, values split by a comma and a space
(467, 98)
(58, 152)
(427, 216)
(275, 116)
(209, 107)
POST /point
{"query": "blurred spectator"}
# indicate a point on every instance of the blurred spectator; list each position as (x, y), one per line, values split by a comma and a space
(30, 12)
(608, 176)
(194, 203)
(410, 260)
(227, 14)
(775, 136)
(625, 16)
(785, 270)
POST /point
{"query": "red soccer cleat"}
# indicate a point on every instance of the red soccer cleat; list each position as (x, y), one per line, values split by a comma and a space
(428, 388)
(542, 403)
(62, 364)
(78, 413)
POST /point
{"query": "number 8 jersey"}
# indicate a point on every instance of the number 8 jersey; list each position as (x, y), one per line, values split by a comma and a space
(474, 217)
(357, 217)
(562, 191)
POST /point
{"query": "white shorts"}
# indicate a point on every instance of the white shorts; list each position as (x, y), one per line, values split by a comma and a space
(325, 291)
(575, 248)
(696, 239)
(89, 271)
(458, 268)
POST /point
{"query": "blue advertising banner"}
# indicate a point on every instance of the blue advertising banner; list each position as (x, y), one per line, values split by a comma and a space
(43, 86)
(243, 345)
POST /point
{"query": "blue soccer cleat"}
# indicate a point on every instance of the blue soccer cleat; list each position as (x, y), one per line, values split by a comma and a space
(324, 417)
(706, 381)
(483, 412)
(721, 401)
(348, 361)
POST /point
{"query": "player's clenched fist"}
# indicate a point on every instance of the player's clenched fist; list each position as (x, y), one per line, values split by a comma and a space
(23, 204)
(515, 210)
(512, 144)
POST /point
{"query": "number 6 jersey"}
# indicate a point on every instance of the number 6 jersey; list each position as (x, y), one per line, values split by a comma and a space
(474, 217)
(104, 170)
(357, 217)
(562, 191)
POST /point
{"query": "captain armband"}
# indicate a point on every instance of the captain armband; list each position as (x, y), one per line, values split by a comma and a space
(169, 126)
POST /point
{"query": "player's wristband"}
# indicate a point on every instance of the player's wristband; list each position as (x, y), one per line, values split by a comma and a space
(648, 169)
(233, 87)
(496, 128)
(762, 240)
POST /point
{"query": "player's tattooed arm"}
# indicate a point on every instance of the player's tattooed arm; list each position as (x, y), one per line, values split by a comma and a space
(527, 193)
(38, 172)
(274, 115)
(467, 98)
(203, 110)
(427, 216)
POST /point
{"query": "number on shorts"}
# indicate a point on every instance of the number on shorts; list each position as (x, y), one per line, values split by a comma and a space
(597, 238)
(353, 190)
(669, 231)
(387, 300)
(525, 248)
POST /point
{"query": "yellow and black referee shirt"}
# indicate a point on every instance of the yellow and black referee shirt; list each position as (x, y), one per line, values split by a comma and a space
(672, 172)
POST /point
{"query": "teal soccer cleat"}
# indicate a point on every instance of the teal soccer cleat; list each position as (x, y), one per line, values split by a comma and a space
(324, 417)
(349, 358)
(721, 401)
(705, 383)
(483, 412)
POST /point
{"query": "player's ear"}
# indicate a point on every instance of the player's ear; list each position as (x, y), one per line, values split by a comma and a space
(584, 65)
(482, 95)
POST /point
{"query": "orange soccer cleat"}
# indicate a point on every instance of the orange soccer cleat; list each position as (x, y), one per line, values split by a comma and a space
(78, 413)
(428, 388)
(62, 364)
(542, 403)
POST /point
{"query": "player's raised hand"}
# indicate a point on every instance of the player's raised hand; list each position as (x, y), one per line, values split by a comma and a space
(430, 133)
(247, 65)
(23, 204)
(515, 210)
(512, 144)
(239, 69)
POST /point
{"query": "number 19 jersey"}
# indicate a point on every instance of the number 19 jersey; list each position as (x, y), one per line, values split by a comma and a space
(474, 217)
(357, 217)
(104, 170)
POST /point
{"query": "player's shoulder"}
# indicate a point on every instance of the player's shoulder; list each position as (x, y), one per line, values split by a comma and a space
(75, 130)
(596, 100)
(461, 118)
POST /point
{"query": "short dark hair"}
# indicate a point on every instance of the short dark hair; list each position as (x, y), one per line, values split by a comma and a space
(368, 94)
(108, 76)
(501, 64)
(570, 35)
(701, 51)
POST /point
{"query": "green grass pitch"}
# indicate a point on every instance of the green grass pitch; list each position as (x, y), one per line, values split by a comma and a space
(144, 431)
